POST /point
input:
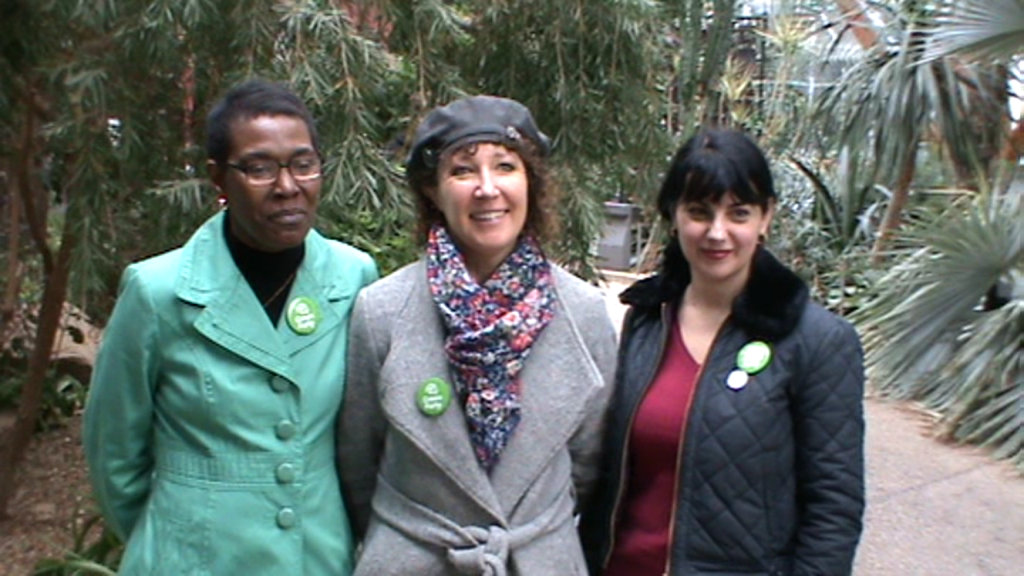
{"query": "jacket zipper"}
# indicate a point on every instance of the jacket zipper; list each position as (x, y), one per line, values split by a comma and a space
(679, 449)
(679, 469)
(625, 449)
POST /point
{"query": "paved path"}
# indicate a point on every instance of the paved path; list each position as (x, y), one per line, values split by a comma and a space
(936, 509)
(933, 509)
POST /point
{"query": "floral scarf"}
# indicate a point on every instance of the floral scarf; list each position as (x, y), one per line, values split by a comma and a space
(491, 328)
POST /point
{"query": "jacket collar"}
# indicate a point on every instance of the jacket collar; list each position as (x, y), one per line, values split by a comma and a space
(769, 307)
(231, 315)
(208, 270)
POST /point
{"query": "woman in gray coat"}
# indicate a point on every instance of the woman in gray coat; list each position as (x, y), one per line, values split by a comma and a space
(479, 375)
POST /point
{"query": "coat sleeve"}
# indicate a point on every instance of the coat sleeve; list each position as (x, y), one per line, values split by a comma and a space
(361, 424)
(586, 445)
(829, 430)
(119, 410)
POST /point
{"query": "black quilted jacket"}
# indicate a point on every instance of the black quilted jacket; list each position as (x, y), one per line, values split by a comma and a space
(771, 479)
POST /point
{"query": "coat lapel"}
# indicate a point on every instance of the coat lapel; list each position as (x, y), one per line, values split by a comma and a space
(237, 322)
(231, 317)
(321, 281)
(557, 379)
(443, 438)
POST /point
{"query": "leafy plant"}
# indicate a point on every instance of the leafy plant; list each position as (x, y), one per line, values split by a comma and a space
(63, 397)
(90, 555)
(363, 230)
(845, 203)
(823, 225)
(987, 411)
(940, 329)
(893, 99)
(10, 387)
(978, 29)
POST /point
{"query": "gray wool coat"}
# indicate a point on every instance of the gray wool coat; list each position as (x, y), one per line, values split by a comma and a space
(419, 501)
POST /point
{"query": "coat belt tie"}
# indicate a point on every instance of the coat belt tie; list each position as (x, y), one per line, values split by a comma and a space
(472, 550)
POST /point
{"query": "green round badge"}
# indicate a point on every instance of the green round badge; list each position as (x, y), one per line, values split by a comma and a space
(434, 396)
(754, 357)
(303, 315)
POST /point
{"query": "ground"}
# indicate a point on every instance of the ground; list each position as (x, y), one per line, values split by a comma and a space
(51, 503)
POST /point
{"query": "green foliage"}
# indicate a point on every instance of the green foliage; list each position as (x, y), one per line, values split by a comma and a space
(888, 100)
(845, 203)
(63, 395)
(932, 333)
(90, 555)
(391, 251)
(10, 387)
(978, 29)
(703, 35)
(792, 62)
(120, 145)
(577, 232)
(823, 225)
(981, 390)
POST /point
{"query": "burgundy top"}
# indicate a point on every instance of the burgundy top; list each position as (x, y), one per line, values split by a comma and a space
(642, 533)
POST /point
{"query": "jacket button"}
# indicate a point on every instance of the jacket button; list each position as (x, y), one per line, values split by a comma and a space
(285, 430)
(286, 518)
(285, 473)
(280, 384)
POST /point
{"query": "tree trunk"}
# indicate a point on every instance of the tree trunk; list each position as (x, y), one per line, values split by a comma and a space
(894, 211)
(54, 292)
(36, 206)
(56, 271)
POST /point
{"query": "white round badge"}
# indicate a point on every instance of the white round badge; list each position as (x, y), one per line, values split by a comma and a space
(737, 379)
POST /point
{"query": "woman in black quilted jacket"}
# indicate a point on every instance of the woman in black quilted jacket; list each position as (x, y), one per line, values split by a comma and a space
(735, 442)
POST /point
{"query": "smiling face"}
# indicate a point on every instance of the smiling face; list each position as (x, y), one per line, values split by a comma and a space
(482, 191)
(719, 239)
(276, 216)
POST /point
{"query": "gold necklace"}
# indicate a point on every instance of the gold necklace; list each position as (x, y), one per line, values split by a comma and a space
(287, 282)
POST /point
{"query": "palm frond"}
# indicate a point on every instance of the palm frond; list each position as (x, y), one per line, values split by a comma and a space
(978, 29)
(933, 293)
(985, 372)
(926, 335)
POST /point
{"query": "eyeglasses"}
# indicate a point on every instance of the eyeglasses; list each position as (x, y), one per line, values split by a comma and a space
(264, 171)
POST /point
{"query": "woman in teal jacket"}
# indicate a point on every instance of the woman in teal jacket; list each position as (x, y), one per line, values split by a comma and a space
(209, 425)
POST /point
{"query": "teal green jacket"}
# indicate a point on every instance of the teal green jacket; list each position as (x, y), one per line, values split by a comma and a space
(209, 432)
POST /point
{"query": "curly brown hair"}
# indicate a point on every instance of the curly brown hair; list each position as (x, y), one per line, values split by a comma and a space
(542, 220)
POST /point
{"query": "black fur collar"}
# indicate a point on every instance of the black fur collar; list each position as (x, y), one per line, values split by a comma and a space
(768, 308)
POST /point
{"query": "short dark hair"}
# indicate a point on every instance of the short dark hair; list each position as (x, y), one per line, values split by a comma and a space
(248, 100)
(712, 163)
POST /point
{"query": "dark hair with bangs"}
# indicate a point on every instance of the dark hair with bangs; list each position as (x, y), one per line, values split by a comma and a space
(249, 100)
(712, 163)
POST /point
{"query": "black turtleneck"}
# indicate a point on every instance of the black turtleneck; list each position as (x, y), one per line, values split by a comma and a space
(269, 274)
